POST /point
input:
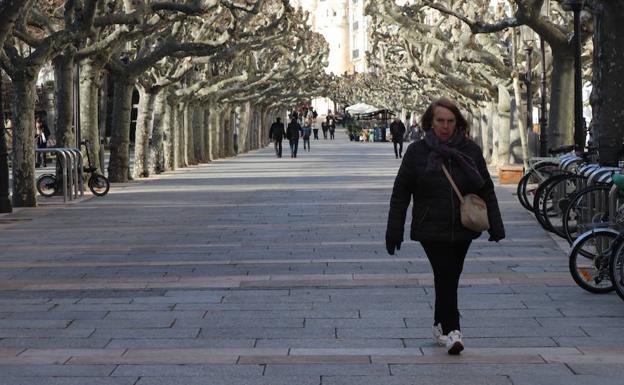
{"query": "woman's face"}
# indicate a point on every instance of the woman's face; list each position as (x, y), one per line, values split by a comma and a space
(443, 124)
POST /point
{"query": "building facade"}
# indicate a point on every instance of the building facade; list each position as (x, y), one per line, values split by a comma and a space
(344, 26)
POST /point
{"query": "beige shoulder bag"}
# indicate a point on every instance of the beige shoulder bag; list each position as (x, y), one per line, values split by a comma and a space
(473, 209)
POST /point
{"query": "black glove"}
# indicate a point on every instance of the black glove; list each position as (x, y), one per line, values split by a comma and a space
(392, 245)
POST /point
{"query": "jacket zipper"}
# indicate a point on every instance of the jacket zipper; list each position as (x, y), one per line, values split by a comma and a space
(452, 204)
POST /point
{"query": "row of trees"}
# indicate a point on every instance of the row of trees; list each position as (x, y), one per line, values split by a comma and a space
(474, 53)
(197, 64)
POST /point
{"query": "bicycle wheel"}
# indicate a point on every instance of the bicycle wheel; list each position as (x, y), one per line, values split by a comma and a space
(556, 201)
(616, 270)
(589, 260)
(582, 213)
(540, 197)
(530, 181)
(98, 184)
(46, 185)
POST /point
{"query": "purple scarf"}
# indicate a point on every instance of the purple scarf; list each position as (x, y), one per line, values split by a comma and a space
(441, 151)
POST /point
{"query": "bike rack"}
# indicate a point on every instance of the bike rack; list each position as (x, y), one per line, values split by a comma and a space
(72, 163)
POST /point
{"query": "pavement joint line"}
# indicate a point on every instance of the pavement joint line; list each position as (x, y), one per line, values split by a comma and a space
(329, 262)
(311, 280)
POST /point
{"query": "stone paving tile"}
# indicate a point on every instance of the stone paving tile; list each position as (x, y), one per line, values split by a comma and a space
(472, 369)
(233, 332)
(495, 342)
(355, 323)
(264, 314)
(67, 380)
(528, 379)
(57, 370)
(304, 359)
(55, 315)
(147, 333)
(457, 379)
(149, 343)
(214, 372)
(45, 333)
(230, 322)
(599, 369)
(33, 324)
(326, 370)
(328, 343)
(282, 380)
(43, 343)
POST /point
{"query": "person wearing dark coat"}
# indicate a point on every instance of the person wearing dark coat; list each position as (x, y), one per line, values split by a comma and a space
(277, 133)
(292, 134)
(436, 218)
(397, 129)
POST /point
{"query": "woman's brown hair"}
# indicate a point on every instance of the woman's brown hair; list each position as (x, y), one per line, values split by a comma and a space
(427, 119)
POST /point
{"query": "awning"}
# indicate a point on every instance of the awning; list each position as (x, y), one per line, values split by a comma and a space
(361, 108)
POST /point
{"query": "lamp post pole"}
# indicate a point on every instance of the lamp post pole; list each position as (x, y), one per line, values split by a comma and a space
(529, 86)
(576, 6)
(5, 202)
(543, 139)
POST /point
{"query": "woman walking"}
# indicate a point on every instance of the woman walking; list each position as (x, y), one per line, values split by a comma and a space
(436, 218)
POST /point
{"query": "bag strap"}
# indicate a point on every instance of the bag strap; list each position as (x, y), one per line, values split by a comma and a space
(461, 198)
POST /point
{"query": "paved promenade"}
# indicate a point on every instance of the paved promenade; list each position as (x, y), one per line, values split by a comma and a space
(264, 271)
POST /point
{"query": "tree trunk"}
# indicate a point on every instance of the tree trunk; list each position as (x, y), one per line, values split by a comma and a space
(169, 139)
(119, 164)
(207, 138)
(188, 133)
(63, 95)
(198, 121)
(504, 122)
(214, 132)
(157, 149)
(180, 139)
(89, 107)
(23, 139)
(608, 81)
(561, 114)
(486, 132)
(226, 134)
(144, 123)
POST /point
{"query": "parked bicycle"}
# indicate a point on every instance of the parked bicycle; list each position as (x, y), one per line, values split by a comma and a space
(48, 184)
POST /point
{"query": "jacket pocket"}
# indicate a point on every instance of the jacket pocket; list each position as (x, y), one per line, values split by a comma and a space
(418, 220)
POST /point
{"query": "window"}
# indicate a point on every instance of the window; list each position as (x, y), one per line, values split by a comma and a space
(355, 53)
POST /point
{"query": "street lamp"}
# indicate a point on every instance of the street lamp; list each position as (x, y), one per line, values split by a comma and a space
(543, 121)
(576, 6)
(528, 38)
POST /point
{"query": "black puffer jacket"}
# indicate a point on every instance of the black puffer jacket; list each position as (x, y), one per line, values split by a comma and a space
(435, 213)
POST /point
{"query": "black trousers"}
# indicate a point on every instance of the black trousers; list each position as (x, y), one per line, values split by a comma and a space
(278, 147)
(315, 131)
(447, 262)
(400, 152)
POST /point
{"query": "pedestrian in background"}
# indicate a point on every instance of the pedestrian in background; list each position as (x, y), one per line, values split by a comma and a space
(292, 134)
(331, 125)
(276, 134)
(41, 141)
(436, 217)
(416, 133)
(306, 131)
(397, 130)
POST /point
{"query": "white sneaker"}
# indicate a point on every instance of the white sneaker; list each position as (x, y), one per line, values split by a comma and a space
(438, 335)
(454, 342)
